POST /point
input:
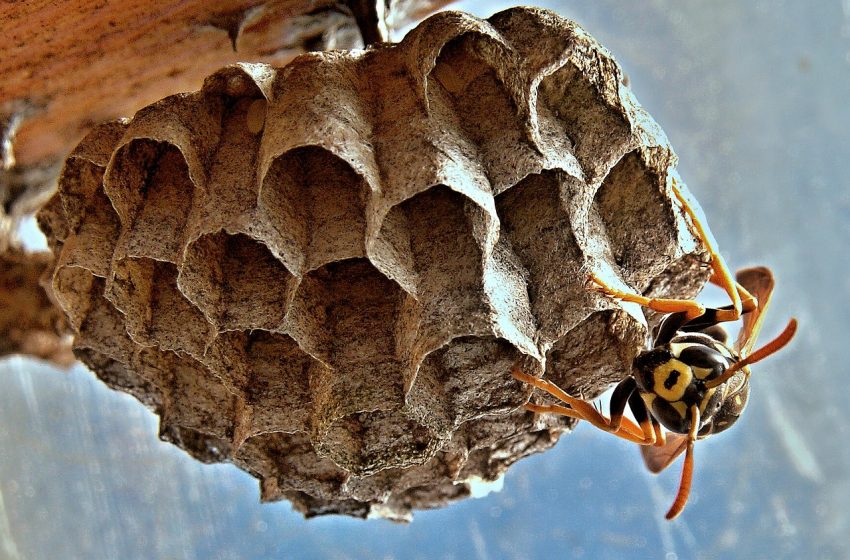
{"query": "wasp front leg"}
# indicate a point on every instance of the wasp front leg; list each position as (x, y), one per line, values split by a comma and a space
(618, 424)
(691, 308)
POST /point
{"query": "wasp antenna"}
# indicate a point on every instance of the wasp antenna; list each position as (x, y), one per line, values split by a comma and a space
(774, 345)
(770, 348)
(684, 486)
(687, 469)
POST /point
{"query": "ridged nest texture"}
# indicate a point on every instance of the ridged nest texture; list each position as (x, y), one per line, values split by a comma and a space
(323, 273)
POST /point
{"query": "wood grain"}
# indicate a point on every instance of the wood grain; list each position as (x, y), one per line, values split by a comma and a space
(67, 65)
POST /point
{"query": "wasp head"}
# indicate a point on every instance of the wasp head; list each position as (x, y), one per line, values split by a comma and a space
(676, 376)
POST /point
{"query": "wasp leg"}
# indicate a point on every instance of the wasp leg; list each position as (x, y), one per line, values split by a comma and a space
(649, 426)
(742, 300)
(660, 437)
(749, 302)
(627, 430)
(626, 392)
(687, 469)
(553, 409)
(709, 322)
(691, 308)
(578, 408)
(714, 316)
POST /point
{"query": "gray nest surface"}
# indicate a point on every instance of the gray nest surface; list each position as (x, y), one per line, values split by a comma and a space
(323, 273)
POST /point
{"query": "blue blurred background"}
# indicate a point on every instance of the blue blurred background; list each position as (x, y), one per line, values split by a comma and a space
(754, 98)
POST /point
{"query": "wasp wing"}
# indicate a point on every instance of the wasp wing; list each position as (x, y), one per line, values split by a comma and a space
(659, 457)
(759, 282)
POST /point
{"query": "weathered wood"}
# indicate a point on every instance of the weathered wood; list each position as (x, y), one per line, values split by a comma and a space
(30, 323)
(65, 66)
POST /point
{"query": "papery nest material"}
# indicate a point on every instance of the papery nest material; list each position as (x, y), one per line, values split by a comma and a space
(323, 273)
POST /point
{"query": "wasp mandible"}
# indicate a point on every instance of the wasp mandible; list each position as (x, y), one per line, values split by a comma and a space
(689, 380)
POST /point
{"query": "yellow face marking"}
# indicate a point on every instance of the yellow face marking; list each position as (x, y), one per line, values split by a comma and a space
(670, 379)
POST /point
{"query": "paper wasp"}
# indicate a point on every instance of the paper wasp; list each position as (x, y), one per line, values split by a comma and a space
(690, 380)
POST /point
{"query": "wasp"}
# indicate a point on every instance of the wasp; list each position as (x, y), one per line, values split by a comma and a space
(690, 380)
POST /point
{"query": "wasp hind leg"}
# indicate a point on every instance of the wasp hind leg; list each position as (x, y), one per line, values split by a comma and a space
(618, 425)
(742, 300)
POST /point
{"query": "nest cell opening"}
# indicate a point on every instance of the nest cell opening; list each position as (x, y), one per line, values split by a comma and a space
(236, 282)
(150, 187)
(316, 203)
(639, 222)
(598, 133)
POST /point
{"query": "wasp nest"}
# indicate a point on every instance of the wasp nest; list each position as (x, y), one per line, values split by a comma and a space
(323, 273)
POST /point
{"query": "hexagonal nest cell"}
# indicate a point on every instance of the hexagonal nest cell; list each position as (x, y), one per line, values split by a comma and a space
(323, 273)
